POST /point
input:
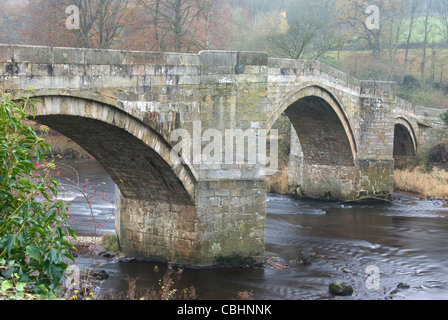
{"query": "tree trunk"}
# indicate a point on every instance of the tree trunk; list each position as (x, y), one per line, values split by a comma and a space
(408, 40)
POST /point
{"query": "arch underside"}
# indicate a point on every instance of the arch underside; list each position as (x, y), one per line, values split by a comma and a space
(405, 148)
(137, 169)
(323, 147)
(321, 133)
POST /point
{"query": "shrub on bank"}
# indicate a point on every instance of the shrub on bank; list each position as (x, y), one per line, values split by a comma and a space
(33, 223)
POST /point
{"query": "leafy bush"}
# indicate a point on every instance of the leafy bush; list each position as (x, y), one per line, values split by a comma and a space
(33, 223)
(445, 117)
(439, 153)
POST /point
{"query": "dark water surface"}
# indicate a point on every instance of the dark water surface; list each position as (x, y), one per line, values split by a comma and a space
(406, 240)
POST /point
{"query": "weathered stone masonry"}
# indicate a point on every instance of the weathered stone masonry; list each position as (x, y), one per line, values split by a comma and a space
(122, 107)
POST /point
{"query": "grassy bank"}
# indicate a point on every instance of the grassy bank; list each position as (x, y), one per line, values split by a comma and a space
(432, 183)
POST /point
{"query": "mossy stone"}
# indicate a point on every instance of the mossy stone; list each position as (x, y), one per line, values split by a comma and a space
(341, 289)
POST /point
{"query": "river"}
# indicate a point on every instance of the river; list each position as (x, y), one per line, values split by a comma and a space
(405, 241)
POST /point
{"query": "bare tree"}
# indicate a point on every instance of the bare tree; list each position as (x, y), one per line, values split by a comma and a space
(101, 22)
(442, 9)
(112, 15)
(296, 41)
(87, 18)
(413, 10)
(427, 32)
(176, 23)
(396, 30)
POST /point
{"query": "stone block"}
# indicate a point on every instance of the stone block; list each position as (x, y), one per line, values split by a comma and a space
(102, 57)
(219, 58)
(6, 53)
(145, 58)
(33, 54)
(252, 59)
(68, 56)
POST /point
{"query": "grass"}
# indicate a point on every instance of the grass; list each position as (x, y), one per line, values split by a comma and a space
(431, 183)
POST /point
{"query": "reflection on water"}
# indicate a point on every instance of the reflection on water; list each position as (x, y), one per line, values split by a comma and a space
(407, 240)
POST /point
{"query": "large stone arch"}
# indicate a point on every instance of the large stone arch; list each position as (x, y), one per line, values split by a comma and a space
(135, 156)
(405, 142)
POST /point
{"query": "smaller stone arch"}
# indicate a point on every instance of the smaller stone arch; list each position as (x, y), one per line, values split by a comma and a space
(405, 142)
(317, 103)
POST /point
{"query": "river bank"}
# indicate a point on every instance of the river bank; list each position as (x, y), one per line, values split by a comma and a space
(426, 183)
(421, 182)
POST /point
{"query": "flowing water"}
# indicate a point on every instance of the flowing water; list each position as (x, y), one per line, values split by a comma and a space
(407, 242)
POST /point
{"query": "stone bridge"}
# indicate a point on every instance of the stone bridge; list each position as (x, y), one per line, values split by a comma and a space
(205, 207)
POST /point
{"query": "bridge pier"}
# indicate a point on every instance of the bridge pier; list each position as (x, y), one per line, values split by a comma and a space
(224, 228)
(375, 159)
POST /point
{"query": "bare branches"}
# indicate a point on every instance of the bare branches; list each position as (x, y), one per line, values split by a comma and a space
(177, 24)
(298, 38)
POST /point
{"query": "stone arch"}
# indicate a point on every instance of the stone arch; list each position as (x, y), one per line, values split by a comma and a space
(405, 142)
(321, 125)
(135, 156)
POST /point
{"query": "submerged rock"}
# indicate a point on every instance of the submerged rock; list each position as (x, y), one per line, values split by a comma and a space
(307, 256)
(403, 286)
(99, 274)
(341, 289)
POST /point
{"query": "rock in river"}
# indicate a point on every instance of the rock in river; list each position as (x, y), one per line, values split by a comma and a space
(307, 256)
(341, 289)
(99, 274)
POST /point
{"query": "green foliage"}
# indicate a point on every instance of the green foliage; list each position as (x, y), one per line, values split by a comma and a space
(110, 243)
(425, 96)
(33, 223)
(445, 117)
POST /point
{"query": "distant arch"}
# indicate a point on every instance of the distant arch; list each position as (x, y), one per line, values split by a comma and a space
(405, 142)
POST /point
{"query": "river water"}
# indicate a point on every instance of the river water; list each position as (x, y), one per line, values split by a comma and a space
(406, 242)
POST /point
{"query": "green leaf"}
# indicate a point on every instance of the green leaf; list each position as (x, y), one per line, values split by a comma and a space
(6, 285)
(72, 233)
(56, 271)
(20, 286)
(38, 229)
(54, 182)
(54, 255)
(33, 251)
(43, 288)
(8, 243)
(69, 256)
(25, 182)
